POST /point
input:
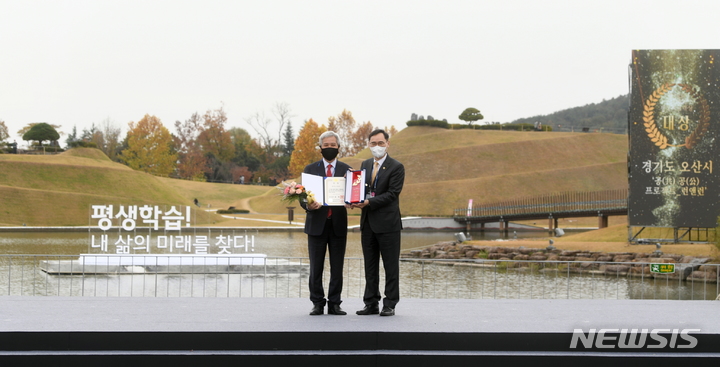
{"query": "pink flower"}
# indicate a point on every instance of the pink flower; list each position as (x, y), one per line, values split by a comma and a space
(298, 191)
(286, 191)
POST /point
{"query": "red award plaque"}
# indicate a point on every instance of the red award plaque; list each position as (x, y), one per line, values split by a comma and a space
(355, 189)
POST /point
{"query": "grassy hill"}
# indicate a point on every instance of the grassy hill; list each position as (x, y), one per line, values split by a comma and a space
(490, 166)
(444, 168)
(58, 190)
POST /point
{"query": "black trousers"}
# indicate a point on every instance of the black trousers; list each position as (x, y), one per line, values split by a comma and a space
(387, 246)
(318, 246)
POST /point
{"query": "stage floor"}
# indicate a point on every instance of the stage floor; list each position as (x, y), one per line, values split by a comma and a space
(108, 314)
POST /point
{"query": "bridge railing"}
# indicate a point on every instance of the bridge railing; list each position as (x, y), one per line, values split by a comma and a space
(565, 202)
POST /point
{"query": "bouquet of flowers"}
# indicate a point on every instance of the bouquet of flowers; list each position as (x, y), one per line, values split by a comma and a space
(294, 191)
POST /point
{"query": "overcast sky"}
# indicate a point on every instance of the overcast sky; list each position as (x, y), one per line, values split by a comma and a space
(78, 62)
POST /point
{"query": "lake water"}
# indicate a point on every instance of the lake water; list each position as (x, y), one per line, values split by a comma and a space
(23, 275)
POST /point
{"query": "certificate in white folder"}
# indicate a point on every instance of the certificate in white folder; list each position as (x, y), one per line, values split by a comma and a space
(328, 191)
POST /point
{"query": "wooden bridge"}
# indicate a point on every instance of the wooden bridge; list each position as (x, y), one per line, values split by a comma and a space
(552, 207)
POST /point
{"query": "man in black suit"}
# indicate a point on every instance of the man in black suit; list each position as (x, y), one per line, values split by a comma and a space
(326, 228)
(380, 225)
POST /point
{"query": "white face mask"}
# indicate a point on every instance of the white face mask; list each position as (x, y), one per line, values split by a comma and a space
(378, 152)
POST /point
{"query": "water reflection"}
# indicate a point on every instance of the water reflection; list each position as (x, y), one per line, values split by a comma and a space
(488, 279)
(22, 275)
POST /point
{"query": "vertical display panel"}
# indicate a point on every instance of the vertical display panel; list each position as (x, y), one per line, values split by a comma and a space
(673, 162)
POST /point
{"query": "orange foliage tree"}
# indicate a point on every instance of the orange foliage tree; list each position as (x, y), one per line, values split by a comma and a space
(344, 125)
(4, 134)
(214, 139)
(360, 137)
(191, 161)
(305, 152)
(149, 147)
(354, 138)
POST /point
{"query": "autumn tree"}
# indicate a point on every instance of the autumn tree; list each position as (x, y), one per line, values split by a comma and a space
(243, 156)
(391, 130)
(359, 139)
(149, 147)
(354, 137)
(471, 115)
(216, 145)
(344, 125)
(238, 172)
(305, 144)
(41, 131)
(213, 138)
(105, 137)
(191, 161)
(4, 134)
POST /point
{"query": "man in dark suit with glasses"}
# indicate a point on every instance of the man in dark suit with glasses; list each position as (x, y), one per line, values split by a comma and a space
(380, 225)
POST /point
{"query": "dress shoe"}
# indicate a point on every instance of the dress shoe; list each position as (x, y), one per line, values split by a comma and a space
(335, 310)
(369, 310)
(317, 310)
(387, 311)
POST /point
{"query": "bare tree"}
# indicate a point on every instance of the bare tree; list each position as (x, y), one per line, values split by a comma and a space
(281, 110)
(110, 132)
(262, 126)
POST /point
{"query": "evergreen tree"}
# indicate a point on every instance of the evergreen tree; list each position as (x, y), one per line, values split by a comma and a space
(72, 137)
(289, 144)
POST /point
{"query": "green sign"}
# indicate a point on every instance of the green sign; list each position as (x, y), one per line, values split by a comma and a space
(662, 268)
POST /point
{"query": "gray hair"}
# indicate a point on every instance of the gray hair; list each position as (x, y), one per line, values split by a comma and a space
(328, 134)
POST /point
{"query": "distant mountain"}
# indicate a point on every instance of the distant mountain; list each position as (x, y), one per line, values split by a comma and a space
(607, 116)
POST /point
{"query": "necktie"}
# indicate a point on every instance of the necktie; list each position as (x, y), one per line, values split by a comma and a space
(329, 174)
(374, 173)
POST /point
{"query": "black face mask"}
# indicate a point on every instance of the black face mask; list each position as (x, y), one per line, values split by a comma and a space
(329, 153)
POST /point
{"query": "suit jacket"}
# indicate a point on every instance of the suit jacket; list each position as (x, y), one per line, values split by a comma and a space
(383, 212)
(315, 219)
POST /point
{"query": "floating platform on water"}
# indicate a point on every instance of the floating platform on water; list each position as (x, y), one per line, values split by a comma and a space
(254, 264)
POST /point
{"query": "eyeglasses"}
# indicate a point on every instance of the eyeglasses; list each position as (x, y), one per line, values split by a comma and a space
(377, 144)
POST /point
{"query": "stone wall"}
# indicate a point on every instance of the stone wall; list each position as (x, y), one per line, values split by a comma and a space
(612, 263)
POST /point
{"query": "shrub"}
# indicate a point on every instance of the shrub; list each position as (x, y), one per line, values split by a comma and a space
(433, 123)
(51, 149)
(514, 127)
(82, 144)
(445, 125)
(233, 211)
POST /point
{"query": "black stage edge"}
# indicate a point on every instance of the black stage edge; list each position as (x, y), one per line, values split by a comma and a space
(77, 331)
